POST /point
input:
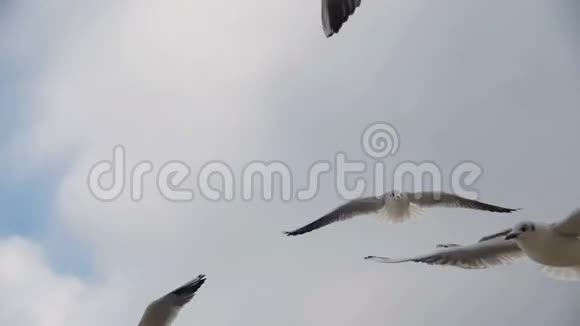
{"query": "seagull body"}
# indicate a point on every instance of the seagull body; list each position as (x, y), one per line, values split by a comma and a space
(397, 207)
(554, 246)
(335, 13)
(163, 311)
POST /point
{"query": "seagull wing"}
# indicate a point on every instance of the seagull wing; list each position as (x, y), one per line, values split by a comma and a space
(476, 256)
(570, 225)
(351, 209)
(163, 311)
(335, 13)
(443, 199)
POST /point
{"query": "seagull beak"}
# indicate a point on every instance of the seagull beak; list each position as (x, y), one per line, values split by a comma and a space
(511, 236)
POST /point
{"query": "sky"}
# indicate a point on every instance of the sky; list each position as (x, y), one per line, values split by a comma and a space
(491, 82)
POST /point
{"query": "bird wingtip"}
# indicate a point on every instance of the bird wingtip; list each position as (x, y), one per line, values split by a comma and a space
(200, 279)
(378, 259)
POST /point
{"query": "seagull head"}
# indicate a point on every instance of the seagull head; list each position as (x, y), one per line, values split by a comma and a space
(521, 230)
(396, 195)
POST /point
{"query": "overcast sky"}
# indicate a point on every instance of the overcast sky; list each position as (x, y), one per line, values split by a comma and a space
(494, 82)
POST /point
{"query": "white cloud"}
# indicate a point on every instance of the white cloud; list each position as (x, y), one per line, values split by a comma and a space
(33, 294)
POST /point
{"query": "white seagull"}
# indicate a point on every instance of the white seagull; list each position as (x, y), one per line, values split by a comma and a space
(335, 13)
(397, 207)
(556, 247)
(163, 311)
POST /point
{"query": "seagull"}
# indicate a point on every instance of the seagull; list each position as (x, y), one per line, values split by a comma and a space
(397, 207)
(335, 13)
(163, 311)
(556, 247)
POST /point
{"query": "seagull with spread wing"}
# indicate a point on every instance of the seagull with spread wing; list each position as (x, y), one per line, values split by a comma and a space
(163, 311)
(397, 207)
(556, 247)
(335, 13)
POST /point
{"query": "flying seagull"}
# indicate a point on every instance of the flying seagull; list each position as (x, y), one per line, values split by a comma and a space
(335, 13)
(556, 247)
(397, 207)
(163, 311)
